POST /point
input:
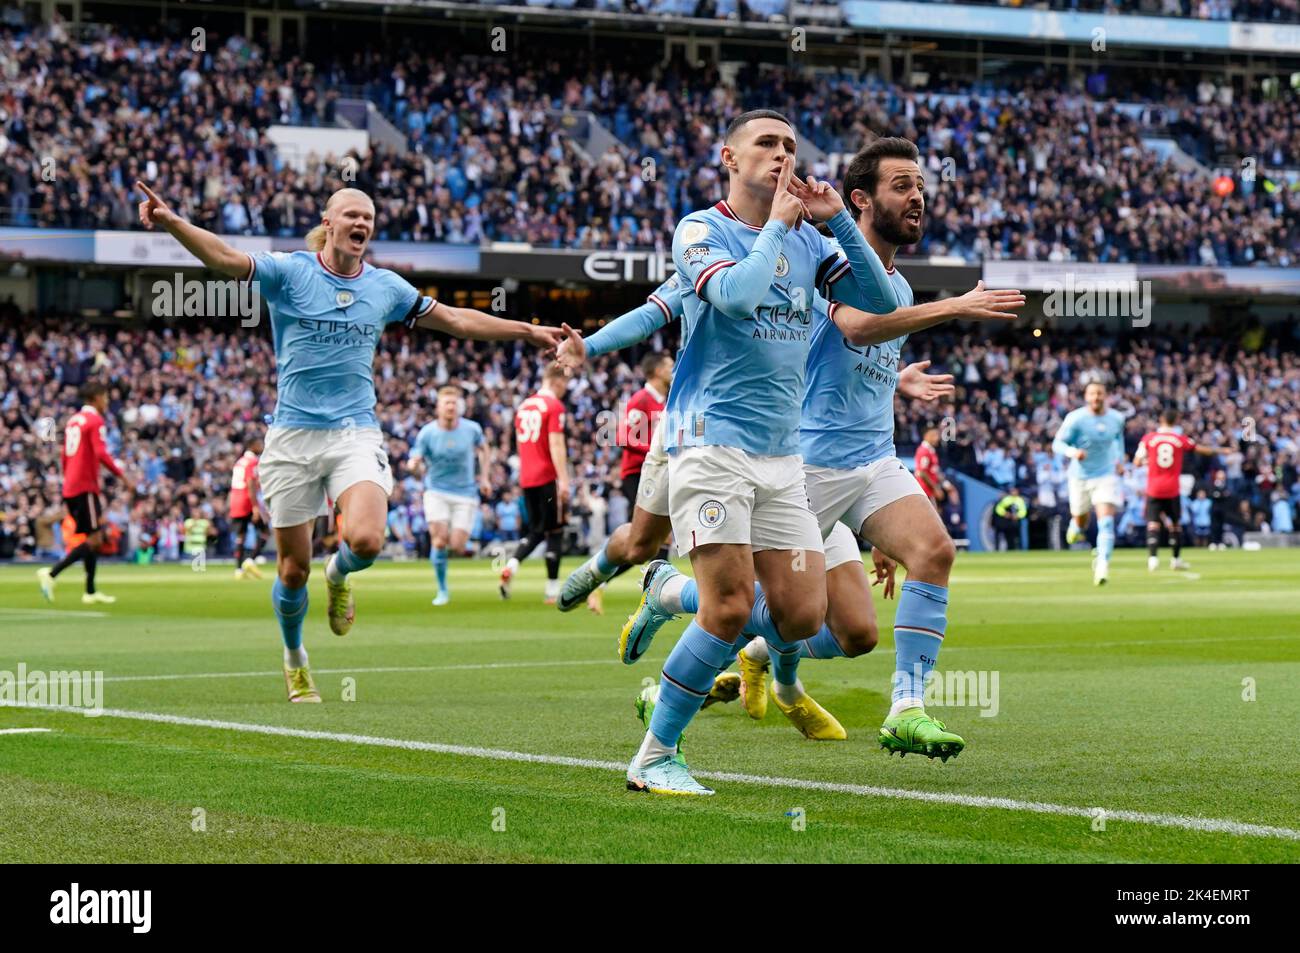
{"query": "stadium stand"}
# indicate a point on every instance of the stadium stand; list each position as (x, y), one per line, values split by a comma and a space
(1038, 171)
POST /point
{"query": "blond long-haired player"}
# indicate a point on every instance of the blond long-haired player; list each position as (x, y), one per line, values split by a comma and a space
(328, 307)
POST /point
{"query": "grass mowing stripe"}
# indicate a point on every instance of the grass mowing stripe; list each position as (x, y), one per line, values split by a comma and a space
(1203, 824)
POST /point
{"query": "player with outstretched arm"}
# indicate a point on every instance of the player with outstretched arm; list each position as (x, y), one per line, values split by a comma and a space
(328, 307)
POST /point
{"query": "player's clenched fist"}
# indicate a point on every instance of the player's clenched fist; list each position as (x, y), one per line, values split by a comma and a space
(153, 210)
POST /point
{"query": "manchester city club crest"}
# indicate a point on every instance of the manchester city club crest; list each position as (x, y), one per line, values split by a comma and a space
(713, 514)
(782, 266)
(344, 298)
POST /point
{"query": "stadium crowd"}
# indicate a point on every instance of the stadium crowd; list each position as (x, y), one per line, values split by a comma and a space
(1267, 11)
(1276, 11)
(1037, 170)
(184, 401)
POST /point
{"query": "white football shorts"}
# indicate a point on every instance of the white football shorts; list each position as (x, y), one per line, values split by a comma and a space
(1087, 493)
(456, 511)
(726, 495)
(652, 492)
(850, 496)
(301, 467)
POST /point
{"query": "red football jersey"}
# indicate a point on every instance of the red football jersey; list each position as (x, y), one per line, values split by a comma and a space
(536, 419)
(245, 472)
(926, 466)
(84, 450)
(637, 427)
(1165, 462)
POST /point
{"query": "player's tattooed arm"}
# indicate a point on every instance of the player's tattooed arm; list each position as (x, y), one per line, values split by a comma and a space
(199, 242)
(478, 326)
(979, 304)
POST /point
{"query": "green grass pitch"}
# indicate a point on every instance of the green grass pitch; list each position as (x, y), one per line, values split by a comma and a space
(1123, 731)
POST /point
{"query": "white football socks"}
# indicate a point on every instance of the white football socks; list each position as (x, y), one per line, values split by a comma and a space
(670, 593)
(652, 749)
(787, 694)
(295, 658)
(332, 570)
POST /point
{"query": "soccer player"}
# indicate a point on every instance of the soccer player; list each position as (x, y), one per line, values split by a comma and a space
(84, 452)
(328, 308)
(851, 617)
(446, 449)
(856, 481)
(1162, 452)
(647, 532)
(736, 486)
(246, 508)
(1092, 436)
(636, 431)
(926, 465)
(544, 477)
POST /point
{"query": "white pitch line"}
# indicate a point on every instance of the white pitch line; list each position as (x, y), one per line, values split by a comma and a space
(23, 731)
(1210, 825)
(76, 613)
(353, 671)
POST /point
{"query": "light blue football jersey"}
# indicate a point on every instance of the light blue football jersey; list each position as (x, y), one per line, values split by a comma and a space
(739, 381)
(662, 307)
(1101, 435)
(325, 327)
(848, 407)
(448, 457)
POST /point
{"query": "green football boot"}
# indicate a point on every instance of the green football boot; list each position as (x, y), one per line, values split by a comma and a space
(912, 731)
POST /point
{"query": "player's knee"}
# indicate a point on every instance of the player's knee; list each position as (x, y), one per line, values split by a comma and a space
(641, 550)
(944, 554)
(799, 618)
(440, 541)
(859, 638)
(731, 610)
(933, 560)
(366, 545)
(293, 575)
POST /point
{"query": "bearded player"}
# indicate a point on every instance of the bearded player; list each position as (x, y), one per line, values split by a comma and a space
(328, 308)
(736, 486)
(1092, 436)
(856, 481)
